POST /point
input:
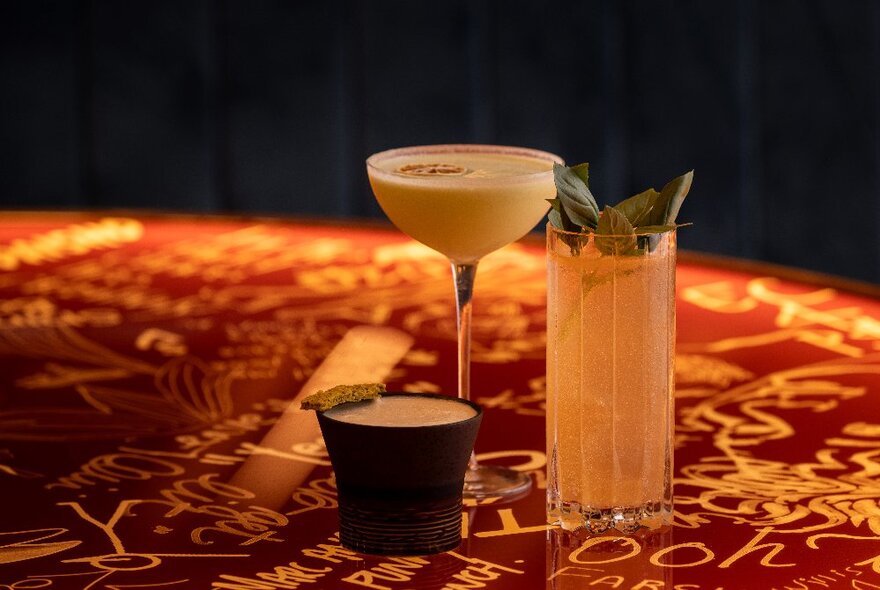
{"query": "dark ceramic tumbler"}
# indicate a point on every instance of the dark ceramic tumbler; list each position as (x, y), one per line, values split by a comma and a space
(400, 487)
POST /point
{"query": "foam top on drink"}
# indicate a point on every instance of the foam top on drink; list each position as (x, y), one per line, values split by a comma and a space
(463, 201)
(457, 165)
(402, 410)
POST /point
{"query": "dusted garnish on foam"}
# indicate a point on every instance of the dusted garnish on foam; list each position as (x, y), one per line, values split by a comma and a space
(327, 398)
(431, 169)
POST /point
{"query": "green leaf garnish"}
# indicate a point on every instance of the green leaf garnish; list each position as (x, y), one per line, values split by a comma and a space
(671, 198)
(619, 228)
(645, 230)
(559, 218)
(575, 199)
(638, 208)
(614, 233)
(583, 172)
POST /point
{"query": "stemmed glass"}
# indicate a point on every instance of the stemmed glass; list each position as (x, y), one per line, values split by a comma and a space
(466, 201)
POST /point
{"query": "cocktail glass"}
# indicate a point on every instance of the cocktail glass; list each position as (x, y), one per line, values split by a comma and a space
(466, 201)
(610, 355)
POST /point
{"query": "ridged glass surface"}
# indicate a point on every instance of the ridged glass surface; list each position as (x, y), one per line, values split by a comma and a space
(610, 352)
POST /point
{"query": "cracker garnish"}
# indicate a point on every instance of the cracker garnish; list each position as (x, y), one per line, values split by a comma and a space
(328, 398)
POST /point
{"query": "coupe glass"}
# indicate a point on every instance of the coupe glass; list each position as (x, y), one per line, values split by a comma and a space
(466, 201)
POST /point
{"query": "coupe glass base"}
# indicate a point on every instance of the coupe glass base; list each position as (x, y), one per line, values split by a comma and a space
(494, 481)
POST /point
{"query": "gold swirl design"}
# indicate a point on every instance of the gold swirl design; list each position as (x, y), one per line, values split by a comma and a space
(73, 240)
(838, 484)
(697, 368)
(189, 385)
(24, 545)
(36, 328)
(191, 397)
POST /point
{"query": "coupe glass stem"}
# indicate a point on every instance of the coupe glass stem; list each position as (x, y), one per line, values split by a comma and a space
(464, 274)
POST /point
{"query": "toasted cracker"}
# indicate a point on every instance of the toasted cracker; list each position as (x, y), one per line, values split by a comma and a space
(327, 398)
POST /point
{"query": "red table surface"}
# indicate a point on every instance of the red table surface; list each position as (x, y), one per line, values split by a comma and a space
(144, 358)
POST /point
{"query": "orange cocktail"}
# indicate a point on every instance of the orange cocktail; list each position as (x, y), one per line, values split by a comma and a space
(610, 354)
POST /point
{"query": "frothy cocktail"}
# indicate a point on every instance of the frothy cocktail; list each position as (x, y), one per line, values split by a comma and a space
(466, 201)
(403, 410)
(463, 203)
(400, 462)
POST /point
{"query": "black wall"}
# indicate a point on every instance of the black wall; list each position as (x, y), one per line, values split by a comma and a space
(272, 106)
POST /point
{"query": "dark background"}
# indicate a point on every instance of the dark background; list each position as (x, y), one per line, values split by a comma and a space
(272, 106)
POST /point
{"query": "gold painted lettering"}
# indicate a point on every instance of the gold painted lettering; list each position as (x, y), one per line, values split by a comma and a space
(331, 553)
(818, 581)
(56, 375)
(32, 548)
(221, 432)
(469, 574)
(77, 480)
(613, 581)
(509, 526)
(396, 569)
(635, 549)
(753, 546)
(179, 498)
(69, 241)
(476, 572)
(176, 497)
(165, 342)
(829, 340)
(239, 583)
(855, 572)
(874, 562)
(483, 563)
(365, 579)
(121, 510)
(311, 500)
(707, 557)
(292, 572)
(220, 488)
(283, 577)
(413, 562)
(385, 572)
(649, 585)
(463, 583)
(320, 493)
(575, 572)
(718, 297)
(254, 524)
(157, 453)
(116, 467)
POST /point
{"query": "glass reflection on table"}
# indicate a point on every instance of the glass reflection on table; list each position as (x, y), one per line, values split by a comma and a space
(578, 560)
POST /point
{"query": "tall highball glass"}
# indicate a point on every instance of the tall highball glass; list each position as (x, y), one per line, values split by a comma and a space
(610, 379)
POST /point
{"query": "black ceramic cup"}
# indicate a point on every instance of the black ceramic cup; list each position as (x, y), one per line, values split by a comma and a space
(400, 487)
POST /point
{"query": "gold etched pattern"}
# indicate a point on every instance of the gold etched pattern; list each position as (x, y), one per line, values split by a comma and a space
(835, 485)
(146, 363)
